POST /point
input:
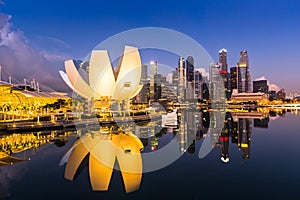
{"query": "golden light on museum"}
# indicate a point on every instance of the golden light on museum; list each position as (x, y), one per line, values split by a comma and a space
(120, 83)
(103, 150)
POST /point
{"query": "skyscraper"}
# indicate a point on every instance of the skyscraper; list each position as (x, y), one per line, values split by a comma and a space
(223, 60)
(190, 84)
(198, 85)
(216, 84)
(244, 77)
(153, 73)
(181, 79)
(143, 96)
(144, 76)
(190, 69)
(260, 86)
(223, 70)
(233, 78)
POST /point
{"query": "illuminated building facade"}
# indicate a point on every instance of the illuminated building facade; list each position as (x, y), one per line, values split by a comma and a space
(181, 79)
(198, 85)
(216, 84)
(223, 70)
(260, 86)
(190, 69)
(143, 95)
(244, 135)
(153, 73)
(116, 85)
(244, 77)
(233, 78)
(19, 101)
(190, 84)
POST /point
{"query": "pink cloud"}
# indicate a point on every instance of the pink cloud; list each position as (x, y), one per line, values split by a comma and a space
(20, 60)
(272, 86)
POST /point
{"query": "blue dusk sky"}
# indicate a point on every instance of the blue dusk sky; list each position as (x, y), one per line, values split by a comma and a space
(37, 36)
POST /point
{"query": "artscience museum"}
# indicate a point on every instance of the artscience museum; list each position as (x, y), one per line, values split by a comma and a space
(104, 85)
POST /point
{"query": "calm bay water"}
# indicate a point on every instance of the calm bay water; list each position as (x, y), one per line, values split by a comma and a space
(263, 164)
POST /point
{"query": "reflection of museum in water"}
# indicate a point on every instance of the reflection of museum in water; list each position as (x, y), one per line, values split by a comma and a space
(191, 127)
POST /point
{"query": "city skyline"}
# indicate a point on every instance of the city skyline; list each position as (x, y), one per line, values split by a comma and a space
(271, 49)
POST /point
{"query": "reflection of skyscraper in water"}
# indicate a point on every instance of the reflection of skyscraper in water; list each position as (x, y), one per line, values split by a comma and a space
(142, 133)
(153, 139)
(189, 124)
(182, 133)
(244, 135)
(224, 137)
(216, 126)
(261, 123)
(192, 127)
(234, 132)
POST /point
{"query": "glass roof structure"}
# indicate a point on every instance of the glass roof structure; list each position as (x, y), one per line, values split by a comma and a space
(8, 96)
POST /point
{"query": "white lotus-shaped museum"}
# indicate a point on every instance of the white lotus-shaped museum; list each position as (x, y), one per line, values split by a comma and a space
(119, 84)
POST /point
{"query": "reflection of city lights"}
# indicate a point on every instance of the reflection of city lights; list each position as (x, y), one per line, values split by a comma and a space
(225, 160)
(153, 148)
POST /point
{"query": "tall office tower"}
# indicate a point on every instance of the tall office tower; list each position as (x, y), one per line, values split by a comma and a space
(260, 86)
(198, 85)
(190, 87)
(153, 73)
(233, 78)
(223, 59)
(216, 84)
(169, 78)
(181, 79)
(143, 95)
(175, 77)
(223, 71)
(144, 76)
(190, 69)
(159, 81)
(244, 77)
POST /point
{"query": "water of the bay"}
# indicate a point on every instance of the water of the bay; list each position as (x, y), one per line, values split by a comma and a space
(263, 163)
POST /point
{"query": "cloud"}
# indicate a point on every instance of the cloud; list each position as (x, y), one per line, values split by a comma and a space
(203, 72)
(261, 78)
(272, 86)
(20, 59)
(10, 174)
